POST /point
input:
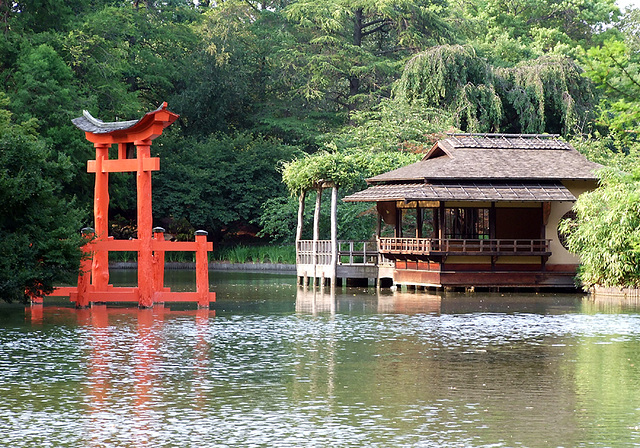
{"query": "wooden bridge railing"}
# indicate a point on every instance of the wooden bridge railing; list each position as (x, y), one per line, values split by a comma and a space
(349, 252)
(367, 253)
(432, 246)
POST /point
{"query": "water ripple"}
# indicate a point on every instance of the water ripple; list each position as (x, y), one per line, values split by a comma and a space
(340, 380)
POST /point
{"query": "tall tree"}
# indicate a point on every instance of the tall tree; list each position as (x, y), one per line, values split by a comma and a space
(39, 229)
(544, 95)
(510, 31)
(219, 183)
(348, 52)
(614, 67)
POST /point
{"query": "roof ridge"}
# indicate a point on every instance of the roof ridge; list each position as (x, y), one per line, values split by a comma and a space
(500, 135)
(106, 125)
(506, 141)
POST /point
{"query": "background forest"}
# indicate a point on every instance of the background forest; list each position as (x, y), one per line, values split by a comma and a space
(338, 88)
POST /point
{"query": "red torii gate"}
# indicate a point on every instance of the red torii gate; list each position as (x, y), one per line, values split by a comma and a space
(93, 281)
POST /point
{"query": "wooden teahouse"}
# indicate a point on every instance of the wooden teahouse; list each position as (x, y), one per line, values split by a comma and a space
(481, 210)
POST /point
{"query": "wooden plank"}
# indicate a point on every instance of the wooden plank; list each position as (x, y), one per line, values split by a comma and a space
(124, 165)
(64, 291)
(180, 296)
(173, 246)
(114, 245)
(114, 295)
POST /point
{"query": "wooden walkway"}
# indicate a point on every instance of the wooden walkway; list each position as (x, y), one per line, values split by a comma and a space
(356, 263)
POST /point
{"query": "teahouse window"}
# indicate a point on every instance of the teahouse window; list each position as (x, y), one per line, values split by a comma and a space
(467, 223)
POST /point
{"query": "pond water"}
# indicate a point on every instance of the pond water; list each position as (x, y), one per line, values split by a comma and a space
(274, 365)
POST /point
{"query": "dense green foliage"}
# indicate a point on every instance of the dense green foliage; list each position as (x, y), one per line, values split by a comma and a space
(548, 94)
(606, 232)
(219, 182)
(39, 230)
(334, 91)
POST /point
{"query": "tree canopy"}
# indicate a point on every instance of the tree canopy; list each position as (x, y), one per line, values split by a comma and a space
(606, 232)
(39, 229)
(548, 94)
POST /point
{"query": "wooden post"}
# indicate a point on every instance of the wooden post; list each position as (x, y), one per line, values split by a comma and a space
(300, 225)
(334, 233)
(84, 277)
(158, 261)
(316, 232)
(100, 264)
(435, 223)
(316, 214)
(145, 223)
(418, 222)
(202, 269)
(441, 223)
(492, 221)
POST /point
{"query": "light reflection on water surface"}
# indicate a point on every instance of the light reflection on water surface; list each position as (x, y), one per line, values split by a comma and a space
(273, 365)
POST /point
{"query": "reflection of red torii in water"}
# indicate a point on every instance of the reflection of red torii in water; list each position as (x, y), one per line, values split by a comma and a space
(93, 282)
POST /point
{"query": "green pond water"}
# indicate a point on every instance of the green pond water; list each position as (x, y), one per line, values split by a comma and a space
(274, 365)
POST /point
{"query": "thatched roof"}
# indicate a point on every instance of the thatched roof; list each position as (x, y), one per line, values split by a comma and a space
(496, 156)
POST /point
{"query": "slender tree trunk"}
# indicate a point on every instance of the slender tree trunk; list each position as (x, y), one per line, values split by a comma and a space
(357, 27)
(316, 215)
(334, 233)
(316, 233)
(300, 225)
(354, 81)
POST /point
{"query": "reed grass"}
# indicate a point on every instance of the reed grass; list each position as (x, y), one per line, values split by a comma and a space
(231, 254)
(256, 254)
(123, 257)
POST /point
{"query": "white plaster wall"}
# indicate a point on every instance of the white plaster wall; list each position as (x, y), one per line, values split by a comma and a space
(559, 254)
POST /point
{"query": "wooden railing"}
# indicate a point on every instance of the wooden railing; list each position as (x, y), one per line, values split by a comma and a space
(306, 252)
(349, 252)
(358, 253)
(367, 252)
(431, 246)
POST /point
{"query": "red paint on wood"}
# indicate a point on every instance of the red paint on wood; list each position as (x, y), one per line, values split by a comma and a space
(123, 165)
(158, 263)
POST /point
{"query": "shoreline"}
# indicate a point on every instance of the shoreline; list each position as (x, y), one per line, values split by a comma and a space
(217, 266)
(619, 292)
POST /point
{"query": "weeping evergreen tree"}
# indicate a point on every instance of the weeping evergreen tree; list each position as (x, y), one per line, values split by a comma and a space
(455, 79)
(543, 95)
(548, 94)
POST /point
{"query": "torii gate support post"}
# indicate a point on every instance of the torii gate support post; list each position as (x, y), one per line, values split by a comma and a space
(158, 260)
(100, 267)
(84, 277)
(145, 224)
(202, 269)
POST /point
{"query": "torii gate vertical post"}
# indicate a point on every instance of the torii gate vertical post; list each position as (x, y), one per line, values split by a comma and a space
(101, 215)
(94, 286)
(145, 224)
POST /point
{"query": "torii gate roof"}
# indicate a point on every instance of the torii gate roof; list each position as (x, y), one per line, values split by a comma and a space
(148, 127)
